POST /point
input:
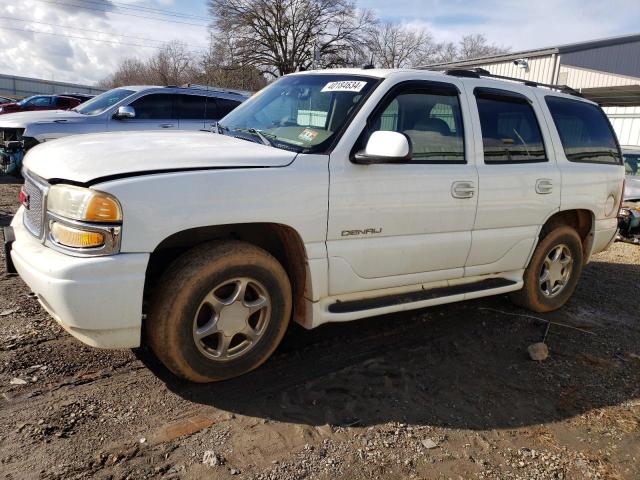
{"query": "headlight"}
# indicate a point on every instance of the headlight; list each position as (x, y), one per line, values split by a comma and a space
(83, 204)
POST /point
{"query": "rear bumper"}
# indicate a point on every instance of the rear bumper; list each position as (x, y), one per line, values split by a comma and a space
(604, 234)
(96, 299)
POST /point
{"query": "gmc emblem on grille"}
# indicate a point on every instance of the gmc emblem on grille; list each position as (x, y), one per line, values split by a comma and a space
(25, 199)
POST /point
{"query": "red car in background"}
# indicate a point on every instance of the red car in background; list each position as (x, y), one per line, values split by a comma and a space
(41, 102)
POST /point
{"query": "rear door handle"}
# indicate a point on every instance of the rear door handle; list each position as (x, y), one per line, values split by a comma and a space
(544, 186)
(463, 189)
(166, 125)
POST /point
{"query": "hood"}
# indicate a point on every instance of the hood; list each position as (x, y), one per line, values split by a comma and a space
(22, 119)
(83, 158)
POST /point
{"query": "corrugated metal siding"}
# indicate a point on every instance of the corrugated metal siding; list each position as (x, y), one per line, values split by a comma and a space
(540, 69)
(22, 87)
(621, 59)
(626, 123)
(582, 78)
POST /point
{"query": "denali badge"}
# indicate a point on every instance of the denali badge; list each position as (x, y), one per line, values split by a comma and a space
(368, 231)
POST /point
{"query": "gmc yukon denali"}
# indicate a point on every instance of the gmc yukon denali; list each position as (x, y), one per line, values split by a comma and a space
(328, 196)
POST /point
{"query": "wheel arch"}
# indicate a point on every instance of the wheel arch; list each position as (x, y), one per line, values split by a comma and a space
(581, 219)
(281, 241)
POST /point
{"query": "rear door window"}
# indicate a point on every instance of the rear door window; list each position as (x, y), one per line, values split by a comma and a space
(217, 108)
(585, 131)
(632, 164)
(510, 129)
(191, 107)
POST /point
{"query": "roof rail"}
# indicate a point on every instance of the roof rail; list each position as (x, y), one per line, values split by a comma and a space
(197, 86)
(481, 72)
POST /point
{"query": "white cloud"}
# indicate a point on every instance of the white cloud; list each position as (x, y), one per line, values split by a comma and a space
(52, 55)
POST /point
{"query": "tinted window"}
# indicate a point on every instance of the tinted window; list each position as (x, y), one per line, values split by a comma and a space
(156, 106)
(510, 130)
(584, 130)
(63, 102)
(632, 164)
(432, 121)
(191, 107)
(217, 108)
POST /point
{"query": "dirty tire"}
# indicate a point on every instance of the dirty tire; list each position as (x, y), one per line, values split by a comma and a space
(169, 327)
(531, 296)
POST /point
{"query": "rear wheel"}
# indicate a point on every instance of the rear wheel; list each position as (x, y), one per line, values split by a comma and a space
(553, 273)
(220, 311)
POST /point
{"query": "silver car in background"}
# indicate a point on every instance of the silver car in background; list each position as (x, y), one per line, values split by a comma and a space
(191, 107)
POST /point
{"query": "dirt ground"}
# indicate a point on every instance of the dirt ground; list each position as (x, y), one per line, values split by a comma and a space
(446, 392)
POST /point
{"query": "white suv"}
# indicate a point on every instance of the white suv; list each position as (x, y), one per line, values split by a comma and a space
(329, 196)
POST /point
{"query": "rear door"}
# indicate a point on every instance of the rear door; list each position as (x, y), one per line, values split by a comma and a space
(518, 176)
(191, 111)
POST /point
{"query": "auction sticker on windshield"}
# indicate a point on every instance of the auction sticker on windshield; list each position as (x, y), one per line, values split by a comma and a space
(344, 86)
(308, 135)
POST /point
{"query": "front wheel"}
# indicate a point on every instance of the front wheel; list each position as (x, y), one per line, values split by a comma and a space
(220, 311)
(553, 273)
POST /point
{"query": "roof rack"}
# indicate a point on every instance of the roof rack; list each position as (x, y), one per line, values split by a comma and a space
(481, 72)
(216, 89)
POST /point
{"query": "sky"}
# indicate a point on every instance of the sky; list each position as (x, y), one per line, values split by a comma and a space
(83, 41)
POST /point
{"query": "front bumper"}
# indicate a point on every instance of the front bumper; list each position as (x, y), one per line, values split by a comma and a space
(96, 299)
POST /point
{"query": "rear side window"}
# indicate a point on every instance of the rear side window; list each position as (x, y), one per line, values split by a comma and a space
(217, 108)
(632, 164)
(584, 130)
(191, 107)
(510, 129)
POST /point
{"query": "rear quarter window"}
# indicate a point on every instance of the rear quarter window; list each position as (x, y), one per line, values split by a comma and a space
(585, 131)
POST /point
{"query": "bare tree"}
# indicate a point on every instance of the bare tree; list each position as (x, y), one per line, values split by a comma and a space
(172, 65)
(396, 46)
(221, 67)
(476, 45)
(283, 36)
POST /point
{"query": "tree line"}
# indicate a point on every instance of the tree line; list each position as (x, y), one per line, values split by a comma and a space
(255, 41)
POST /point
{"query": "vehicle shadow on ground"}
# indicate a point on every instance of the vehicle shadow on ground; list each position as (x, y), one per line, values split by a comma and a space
(461, 365)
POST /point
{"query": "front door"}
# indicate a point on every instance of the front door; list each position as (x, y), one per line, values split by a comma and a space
(401, 224)
(153, 112)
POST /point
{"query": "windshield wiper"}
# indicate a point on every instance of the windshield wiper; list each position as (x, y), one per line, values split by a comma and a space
(257, 133)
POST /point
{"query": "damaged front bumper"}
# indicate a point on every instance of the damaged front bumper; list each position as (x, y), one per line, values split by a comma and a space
(11, 156)
(629, 223)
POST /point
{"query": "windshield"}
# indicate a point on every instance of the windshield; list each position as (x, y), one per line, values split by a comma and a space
(103, 101)
(299, 112)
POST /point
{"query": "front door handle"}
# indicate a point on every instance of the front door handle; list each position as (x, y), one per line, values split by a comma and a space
(544, 186)
(166, 125)
(463, 189)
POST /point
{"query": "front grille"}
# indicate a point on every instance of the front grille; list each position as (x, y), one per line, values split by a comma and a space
(34, 215)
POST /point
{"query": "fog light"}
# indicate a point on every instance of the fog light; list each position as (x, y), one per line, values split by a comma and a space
(74, 237)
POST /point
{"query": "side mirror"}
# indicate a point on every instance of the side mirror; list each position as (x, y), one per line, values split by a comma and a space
(125, 111)
(385, 147)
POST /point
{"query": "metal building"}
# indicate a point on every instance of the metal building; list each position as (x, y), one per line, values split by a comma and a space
(18, 87)
(606, 71)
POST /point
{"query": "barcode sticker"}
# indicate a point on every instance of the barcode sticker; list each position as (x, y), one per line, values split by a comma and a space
(344, 86)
